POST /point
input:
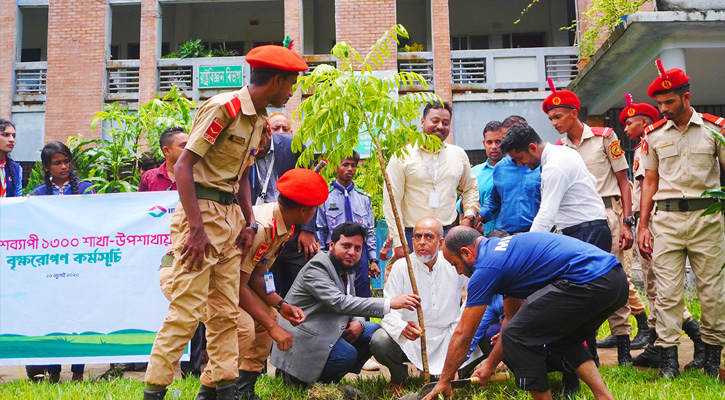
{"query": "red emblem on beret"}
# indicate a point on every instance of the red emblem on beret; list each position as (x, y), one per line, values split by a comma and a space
(633, 109)
(667, 81)
(303, 186)
(213, 130)
(276, 57)
(560, 98)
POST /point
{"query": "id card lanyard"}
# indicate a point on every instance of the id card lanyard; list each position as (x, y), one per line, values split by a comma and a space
(434, 196)
(263, 193)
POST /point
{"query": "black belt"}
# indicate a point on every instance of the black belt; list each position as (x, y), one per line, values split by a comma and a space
(205, 193)
(684, 204)
(568, 231)
(410, 230)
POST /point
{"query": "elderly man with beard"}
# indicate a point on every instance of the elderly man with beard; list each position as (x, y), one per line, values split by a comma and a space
(335, 338)
(441, 290)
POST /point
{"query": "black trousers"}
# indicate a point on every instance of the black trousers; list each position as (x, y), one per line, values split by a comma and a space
(561, 316)
(288, 264)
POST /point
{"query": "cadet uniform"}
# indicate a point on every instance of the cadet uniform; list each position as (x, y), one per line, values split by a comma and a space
(225, 134)
(603, 155)
(687, 164)
(335, 211)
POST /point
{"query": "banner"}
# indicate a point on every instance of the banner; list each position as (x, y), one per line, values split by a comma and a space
(79, 277)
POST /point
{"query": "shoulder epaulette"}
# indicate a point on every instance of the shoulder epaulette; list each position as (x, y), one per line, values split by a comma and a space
(559, 142)
(601, 131)
(331, 188)
(719, 121)
(655, 125)
(233, 106)
(357, 189)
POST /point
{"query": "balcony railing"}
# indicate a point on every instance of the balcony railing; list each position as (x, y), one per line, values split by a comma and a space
(30, 78)
(512, 69)
(122, 80)
(420, 63)
(314, 60)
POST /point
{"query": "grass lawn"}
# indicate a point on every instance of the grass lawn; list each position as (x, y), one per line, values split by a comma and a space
(624, 383)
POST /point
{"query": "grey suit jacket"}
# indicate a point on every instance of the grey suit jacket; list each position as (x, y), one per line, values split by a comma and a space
(319, 291)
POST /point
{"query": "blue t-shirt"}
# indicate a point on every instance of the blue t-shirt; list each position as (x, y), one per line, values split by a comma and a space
(517, 266)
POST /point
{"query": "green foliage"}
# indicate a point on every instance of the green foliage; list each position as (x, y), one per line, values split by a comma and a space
(37, 177)
(223, 52)
(370, 179)
(192, 49)
(715, 193)
(112, 165)
(602, 17)
(346, 104)
(415, 47)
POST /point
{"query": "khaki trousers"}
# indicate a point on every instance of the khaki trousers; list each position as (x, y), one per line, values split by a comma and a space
(650, 286)
(210, 294)
(253, 341)
(618, 323)
(680, 235)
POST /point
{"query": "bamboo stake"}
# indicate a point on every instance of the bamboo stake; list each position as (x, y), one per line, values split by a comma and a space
(406, 250)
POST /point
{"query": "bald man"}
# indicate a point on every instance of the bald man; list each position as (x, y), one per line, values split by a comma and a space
(440, 289)
(279, 123)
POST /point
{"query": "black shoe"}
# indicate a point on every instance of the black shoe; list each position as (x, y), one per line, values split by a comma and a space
(608, 343)
(624, 357)
(245, 385)
(227, 392)
(153, 394)
(692, 329)
(206, 393)
(571, 384)
(671, 368)
(642, 337)
(289, 379)
(712, 360)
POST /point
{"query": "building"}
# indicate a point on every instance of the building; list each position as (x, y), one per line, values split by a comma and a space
(61, 60)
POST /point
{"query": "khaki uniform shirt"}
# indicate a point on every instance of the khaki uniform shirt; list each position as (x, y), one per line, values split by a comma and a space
(226, 137)
(687, 161)
(638, 174)
(270, 238)
(603, 157)
(412, 181)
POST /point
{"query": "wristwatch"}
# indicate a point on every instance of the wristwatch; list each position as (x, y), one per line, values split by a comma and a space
(279, 305)
(253, 226)
(628, 220)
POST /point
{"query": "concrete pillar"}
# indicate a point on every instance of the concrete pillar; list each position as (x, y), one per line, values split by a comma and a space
(673, 58)
(441, 48)
(76, 67)
(361, 23)
(293, 29)
(150, 49)
(8, 14)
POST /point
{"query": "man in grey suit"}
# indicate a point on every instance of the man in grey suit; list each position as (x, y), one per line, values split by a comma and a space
(335, 338)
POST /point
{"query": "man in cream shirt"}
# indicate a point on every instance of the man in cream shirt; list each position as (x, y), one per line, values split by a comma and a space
(425, 183)
(441, 290)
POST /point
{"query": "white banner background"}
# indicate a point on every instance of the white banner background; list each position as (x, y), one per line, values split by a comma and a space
(76, 298)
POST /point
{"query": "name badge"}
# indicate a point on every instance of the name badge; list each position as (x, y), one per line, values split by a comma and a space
(269, 283)
(433, 199)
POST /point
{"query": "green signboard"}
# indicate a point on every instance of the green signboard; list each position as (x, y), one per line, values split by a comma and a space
(220, 76)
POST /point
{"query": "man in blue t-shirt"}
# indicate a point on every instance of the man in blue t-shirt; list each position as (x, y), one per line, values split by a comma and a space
(569, 288)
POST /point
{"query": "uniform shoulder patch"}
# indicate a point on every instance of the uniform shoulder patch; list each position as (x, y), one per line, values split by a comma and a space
(644, 147)
(559, 142)
(719, 121)
(635, 163)
(212, 131)
(615, 149)
(655, 125)
(601, 131)
(357, 189)
(233, 106)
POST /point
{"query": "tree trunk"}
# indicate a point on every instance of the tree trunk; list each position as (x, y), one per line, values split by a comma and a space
(406, 250)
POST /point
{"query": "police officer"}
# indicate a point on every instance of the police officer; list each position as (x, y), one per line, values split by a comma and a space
(300, 192)
(603, 155)
(346, 202)
(680, 156)
(635, 118)
(208, 232)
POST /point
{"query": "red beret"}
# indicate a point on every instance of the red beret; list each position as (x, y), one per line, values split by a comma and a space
(303, 186)
(667, 81)
(633, 109)
(276, 57)
(560, 98)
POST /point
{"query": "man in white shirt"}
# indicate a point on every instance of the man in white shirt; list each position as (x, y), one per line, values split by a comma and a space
(441, 290)
(426, 183)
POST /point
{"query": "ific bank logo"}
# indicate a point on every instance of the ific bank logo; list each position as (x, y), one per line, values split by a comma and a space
(157, 211)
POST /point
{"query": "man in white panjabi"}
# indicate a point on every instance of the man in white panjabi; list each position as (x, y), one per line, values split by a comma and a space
(441, 290)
